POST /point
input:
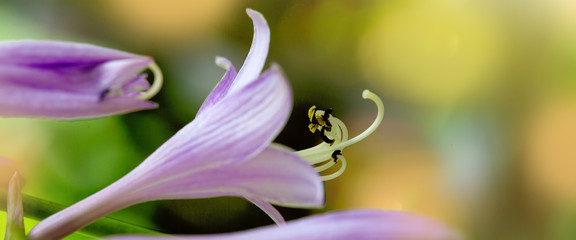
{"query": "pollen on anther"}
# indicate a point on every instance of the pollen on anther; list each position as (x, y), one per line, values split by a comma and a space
(335, 155)
(312, 113)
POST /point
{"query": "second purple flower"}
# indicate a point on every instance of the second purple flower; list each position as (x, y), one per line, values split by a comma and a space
(68, 80)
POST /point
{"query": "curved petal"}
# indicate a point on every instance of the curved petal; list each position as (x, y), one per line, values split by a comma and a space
(46, 53)
(235, 128)
(270, 210)
(223, 86)
(258, 52)
(357, 224)
(117, 73)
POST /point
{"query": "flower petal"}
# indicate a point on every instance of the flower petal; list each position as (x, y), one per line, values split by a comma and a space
(357, 224)
(70, 92)
(18, 102)
(275, 175)
(258, 52)
(223, 86)
(115, 74)
(270, 210)
(234, 129)
(47, 53)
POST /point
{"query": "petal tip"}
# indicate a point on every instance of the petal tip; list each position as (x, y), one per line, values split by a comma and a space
(223, 62)
(253, 13)
(257, 17)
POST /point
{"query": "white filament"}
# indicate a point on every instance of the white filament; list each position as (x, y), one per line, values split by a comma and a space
(337, 173)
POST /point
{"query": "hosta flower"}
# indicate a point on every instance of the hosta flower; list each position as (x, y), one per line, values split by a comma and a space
(227, 151)
(345, 225)
(72, 80)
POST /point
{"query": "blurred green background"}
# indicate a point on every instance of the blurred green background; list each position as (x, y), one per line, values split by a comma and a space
(480, 97)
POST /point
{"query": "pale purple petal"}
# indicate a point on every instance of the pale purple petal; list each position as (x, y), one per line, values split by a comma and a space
(253, 65)
(275, 175)
(136, 85)
(90, 80)
(225, 136)
(50, 53)
(344, 225)
(221, 90)
(18, 102)
(116, 74)
(235, 128)
(256, 58)
(68, 80)
(270, 210)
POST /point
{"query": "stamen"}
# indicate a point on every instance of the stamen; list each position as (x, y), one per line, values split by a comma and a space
(335, 137)
(337, 173)
(156, 85)
(324, 166)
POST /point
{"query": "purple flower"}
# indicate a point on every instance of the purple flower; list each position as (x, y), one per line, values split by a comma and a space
(225, 151)
(357, 224)
(72, 80)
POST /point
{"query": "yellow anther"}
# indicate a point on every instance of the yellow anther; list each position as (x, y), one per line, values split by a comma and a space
(313, 127)
(320, 118)
(311, 113)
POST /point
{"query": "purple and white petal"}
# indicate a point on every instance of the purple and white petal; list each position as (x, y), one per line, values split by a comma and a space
(234, 129)
(256, 58)
(18, 102)
(275, 175)
(54, 53)
(252, 67)
(221, 90)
